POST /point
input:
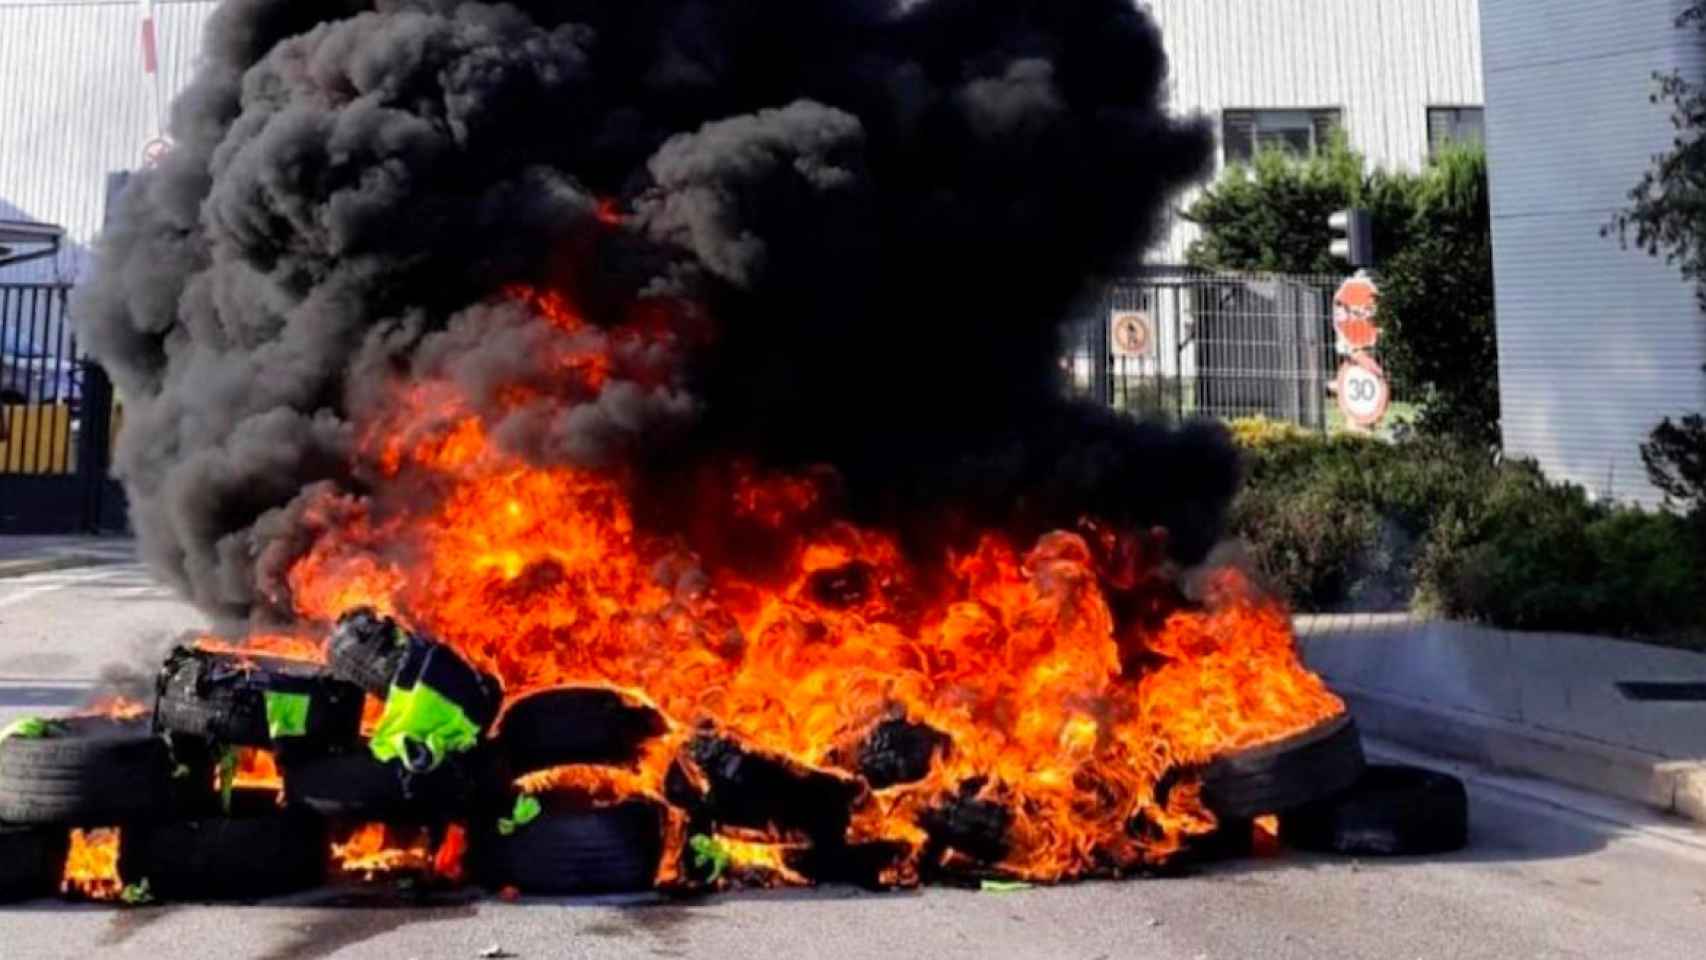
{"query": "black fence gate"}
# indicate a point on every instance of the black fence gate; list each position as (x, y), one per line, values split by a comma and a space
(56, 421)
(1179, 343)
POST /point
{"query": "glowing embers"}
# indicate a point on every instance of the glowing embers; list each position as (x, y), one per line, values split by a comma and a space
(250, 768)
(91, 865)
(1068, 676)
(372, 851)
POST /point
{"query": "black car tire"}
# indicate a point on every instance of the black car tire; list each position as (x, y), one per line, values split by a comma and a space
(1390, 811)
(553, 728)
(607, 850)
(32, 861)
(222, 698)
(367, 650)
(92, 771)
(1287, 774)
(257, 851)
(354, 785)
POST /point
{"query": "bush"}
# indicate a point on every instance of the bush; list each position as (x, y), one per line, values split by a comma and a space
(1350, 523)
(1338, 523)
(1270, 216)
(1675, 456)
(1436, 304)
(1433, 242)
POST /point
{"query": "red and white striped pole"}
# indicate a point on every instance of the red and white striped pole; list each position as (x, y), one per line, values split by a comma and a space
(151, 67)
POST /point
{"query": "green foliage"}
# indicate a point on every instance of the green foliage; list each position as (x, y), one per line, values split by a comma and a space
(1437, 306)
(1675, 456)
(1338, 523)
(1351, 523)
(1667, 209)
(1270, 216)
(1434, 242)
(1542, 557)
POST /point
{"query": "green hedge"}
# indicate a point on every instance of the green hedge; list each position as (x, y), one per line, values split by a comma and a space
(1347, 523)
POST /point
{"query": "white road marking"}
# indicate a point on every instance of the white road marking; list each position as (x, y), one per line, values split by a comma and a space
(47, 584)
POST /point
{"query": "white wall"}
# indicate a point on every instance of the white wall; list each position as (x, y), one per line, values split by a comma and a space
(1596, 344)
(1383, 62)
(74, 107)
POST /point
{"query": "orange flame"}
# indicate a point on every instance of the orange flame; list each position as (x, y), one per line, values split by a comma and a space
(91, 865)
(256, 770)
(115, 707)
(275, 646)
(1069, 683)
(373, 849)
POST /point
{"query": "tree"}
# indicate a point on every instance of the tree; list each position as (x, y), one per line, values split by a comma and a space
(1434, 243)
(1667, 215)
(1667, 209)
(1436, 303)
(1270, 216)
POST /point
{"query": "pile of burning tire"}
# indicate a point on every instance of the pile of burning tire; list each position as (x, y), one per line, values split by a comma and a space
(258, 775)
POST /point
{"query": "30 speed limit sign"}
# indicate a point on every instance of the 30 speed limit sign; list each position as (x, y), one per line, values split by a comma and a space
(1364, 394)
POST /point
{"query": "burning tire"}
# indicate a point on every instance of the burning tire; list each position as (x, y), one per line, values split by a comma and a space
(367, 650)
(609, 850)
(253, 702)
(86, 771)
(1284, 776)
(257, 851)
(582, 725)
(352, 784)
(1390, 811)
(31, 861)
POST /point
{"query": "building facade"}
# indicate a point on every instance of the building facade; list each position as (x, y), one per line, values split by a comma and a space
(76, 102)
(1597, 344)
(1398, 76)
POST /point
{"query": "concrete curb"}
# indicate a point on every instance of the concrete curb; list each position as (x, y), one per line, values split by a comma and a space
(67, 561)
(1672, 786)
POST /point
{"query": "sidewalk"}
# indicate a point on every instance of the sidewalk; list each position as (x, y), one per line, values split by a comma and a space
(1546, 705)
(25, 555)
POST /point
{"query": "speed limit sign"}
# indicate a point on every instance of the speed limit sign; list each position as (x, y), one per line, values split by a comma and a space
(1364, 394)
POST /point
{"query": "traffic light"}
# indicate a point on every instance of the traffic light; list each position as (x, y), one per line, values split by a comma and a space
(1353, 237)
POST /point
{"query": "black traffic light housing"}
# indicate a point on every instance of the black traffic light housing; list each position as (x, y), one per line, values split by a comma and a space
(1353, 237)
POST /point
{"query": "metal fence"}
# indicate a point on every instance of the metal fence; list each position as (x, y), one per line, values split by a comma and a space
(56, 420)
(40, 380)
(1180, 343)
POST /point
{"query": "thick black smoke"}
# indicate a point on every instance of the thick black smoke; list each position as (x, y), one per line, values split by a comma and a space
(882, 209)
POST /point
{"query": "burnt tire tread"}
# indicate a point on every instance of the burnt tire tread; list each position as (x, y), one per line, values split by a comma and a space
(1392, 810)
(610, 850)
(554, 728)
(97, 773)
(1286, 775)
(32, 861)
(343, 785)
(226, 858)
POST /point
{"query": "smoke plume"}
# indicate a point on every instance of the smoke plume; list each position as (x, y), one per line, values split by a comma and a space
(878, 213)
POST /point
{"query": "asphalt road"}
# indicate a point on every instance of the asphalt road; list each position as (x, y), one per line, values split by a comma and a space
(1550, 873)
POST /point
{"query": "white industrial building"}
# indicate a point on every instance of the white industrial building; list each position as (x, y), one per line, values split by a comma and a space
(1398, 76)
(1596, 344)
(76, 103)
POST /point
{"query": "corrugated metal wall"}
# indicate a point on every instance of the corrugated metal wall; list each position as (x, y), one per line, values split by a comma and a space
(1383, 62)
(74, 106)
(1596, 344)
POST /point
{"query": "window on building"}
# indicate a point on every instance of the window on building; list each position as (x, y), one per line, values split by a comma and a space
(1455, 125)
(1245, 132)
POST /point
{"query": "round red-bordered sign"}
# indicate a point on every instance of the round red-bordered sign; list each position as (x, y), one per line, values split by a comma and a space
(154, 151)
(1364, 394)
